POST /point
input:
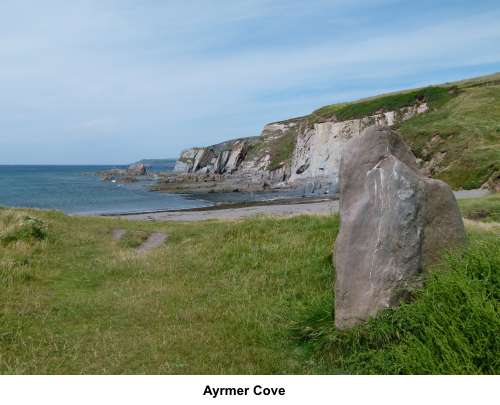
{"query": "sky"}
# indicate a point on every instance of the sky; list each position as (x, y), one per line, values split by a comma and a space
(115, 81)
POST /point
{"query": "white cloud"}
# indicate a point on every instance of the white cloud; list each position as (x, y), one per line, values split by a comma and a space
(184, 72)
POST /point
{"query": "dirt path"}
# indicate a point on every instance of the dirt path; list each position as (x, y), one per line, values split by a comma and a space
(154, 240)
(477, 193)
(485, 226)
(117, 234)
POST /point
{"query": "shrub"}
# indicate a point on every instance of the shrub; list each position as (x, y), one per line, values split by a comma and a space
(19, 227)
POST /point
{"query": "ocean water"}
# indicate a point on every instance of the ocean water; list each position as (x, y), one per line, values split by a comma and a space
(77, 190)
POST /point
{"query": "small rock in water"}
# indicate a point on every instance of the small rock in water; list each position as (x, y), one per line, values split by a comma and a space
(137, 169)
(394, 222)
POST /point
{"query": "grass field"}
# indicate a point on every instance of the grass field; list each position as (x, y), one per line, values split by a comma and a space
(486, 209)
(226, 297)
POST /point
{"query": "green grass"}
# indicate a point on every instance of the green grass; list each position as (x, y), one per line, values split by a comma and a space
(133, 239)
(251, 296)
(281, 149)
(458, 139)
(216, 298)
(451, 327)
(435, 96)
(485, 209)
(465, 132)
(15, 226)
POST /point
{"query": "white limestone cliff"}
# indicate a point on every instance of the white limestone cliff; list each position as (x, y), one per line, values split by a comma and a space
(290, 153)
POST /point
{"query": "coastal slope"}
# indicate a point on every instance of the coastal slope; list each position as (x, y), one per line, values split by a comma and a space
(452, 129)
(228, 297)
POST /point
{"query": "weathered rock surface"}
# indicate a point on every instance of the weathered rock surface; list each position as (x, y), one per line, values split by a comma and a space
(295, 153)
(319, 148)
(136, 169)
(128, 175)
(394, 223)
(493, 183)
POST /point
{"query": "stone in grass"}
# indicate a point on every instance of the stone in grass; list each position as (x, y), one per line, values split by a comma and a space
(394, 223)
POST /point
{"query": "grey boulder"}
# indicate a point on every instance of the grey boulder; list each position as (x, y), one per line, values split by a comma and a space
(136, 169)
(394, 223)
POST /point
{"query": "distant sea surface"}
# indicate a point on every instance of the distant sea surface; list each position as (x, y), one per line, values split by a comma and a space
(78, 190)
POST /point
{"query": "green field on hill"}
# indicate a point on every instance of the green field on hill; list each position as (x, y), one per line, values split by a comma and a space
(458, 139)
(252, 296)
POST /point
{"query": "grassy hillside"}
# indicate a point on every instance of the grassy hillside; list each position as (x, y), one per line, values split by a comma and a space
(435, 96)
(458, 140)
(225, 297)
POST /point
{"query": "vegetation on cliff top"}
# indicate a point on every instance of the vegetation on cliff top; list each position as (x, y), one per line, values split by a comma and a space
(252, 296)
(457, 140)
(281, 150)
(434, 96)
(460, 141)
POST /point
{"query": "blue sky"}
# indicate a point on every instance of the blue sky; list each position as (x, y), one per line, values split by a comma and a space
(114, 81)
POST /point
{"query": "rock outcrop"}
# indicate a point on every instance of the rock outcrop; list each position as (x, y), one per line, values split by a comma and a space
(296, 153)
(394, 223)
(136, 169)
(493, 183)
(217, 159)
(319, 148)
(128, 175)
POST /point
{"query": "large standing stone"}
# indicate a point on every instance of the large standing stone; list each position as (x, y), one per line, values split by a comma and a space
(394, 222)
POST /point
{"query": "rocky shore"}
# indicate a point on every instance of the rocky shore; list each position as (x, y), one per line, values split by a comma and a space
(303, 154)
(241, 211)
(277, 208)
(129, 175)
(297, 154)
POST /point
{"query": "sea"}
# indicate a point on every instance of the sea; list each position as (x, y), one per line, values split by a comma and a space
(79, 190)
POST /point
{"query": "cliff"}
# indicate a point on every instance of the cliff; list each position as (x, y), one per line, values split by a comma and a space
(305, 151)
(288, 154)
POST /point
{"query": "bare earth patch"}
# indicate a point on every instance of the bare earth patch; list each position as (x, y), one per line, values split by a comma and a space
(154, 240)
(485, 226)
(117, 234)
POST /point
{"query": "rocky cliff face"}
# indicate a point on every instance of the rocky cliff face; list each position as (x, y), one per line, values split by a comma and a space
(221, 158)
(318, 150)
(300, 152)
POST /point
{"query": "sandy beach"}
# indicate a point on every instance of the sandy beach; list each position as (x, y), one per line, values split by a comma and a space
(280, 209)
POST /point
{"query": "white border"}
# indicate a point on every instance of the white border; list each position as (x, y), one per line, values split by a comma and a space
(342, 390)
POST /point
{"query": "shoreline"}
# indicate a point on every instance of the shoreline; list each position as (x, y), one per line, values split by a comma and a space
(224, 206)
(279, 207)
(233, 212)
(274, 208)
